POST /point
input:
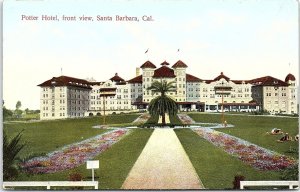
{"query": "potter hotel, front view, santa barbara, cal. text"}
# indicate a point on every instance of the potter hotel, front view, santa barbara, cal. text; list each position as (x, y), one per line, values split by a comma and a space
(69, 97)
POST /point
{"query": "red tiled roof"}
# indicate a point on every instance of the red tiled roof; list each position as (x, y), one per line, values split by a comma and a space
(164, 63)
(164, 72)
(226, 78)
(268, 81)
(221, 76)
(179, 64)
(148, 64)
(138, 79)
(191, 78)
(116, 78)
(66, 81)
(290, 77)
(238, 81)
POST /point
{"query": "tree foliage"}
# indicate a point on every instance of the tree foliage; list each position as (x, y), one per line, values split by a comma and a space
(18, 105)
(162, 104)
(7, 113)
(11, 148)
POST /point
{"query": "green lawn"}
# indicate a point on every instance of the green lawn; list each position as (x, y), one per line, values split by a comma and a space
(215, 167)
(46, 136)
(152, 120)
(115, 163)
(254, 128)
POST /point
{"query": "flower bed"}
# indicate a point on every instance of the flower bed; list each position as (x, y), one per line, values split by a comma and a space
(75, 154)
(254, 155)
(185, 119)
(142, 119)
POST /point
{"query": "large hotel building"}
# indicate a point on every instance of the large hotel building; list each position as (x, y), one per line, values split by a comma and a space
(67, 97)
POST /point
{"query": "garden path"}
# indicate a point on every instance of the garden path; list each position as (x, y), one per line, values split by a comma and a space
(163, 164)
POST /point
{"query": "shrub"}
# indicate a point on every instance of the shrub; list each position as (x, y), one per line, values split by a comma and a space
(11, 149)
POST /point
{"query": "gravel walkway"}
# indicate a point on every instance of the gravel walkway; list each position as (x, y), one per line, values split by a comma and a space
(163, 164)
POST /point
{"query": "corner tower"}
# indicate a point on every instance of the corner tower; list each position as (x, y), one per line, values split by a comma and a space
(148, 71)
(291, 94)
(180, 72)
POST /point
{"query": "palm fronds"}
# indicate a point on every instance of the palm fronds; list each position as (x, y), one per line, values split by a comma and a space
(11, 148)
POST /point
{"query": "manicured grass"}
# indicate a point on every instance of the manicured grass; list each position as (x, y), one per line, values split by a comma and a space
(152, 120)
(254, 128)
(215, 167)
(31, 116)
(175, 120)
(115, 163)
(46, 136)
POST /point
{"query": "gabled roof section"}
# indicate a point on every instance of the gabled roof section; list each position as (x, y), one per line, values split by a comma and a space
(116, 78)
(222, 76)
(137, 79)
(268, 81)
(164, 72)
(179, 64)
(148, 64)
(66, 81)
(240, 81)
(290, 77)
(165, 63)
(191, 78)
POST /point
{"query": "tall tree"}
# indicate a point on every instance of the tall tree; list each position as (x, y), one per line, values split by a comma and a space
(18, 111)
(11, 148)
(18, 105)
(162, 104)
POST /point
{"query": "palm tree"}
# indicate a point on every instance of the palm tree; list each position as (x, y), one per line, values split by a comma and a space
(162, 104)
(11, 148)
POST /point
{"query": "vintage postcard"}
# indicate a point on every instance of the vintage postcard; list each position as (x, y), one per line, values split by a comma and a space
(154, 94)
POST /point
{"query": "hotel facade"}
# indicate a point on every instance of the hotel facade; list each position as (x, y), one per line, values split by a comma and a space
(69, 97)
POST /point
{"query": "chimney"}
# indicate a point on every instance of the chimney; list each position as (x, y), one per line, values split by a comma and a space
(137, 71)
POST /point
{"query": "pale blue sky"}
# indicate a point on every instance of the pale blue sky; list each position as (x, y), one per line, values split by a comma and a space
(243, 38)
